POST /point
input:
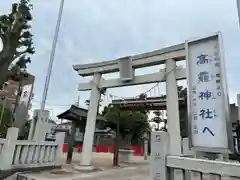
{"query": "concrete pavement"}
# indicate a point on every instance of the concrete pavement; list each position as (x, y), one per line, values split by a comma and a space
(129, 173)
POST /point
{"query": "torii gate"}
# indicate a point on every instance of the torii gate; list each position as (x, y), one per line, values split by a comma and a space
(126, 67)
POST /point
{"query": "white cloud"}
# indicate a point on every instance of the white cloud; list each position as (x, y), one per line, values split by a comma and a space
(94, 30)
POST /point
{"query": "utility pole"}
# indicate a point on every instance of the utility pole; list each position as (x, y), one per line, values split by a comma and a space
(54, 44)
(238, 9)
(50, 65)
(78, 101)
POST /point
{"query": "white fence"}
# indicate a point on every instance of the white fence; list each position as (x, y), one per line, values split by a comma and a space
(169, 167)
(21, 154)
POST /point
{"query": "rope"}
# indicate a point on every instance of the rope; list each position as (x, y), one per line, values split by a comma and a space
(145, 92)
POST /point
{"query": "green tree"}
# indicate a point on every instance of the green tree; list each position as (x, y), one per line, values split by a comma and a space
(6, 120)
(143, 96)
(157, 119)
(182, 93)
(16, 39)
(132, 124)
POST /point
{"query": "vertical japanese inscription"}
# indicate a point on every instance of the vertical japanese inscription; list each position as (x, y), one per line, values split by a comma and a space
(204, 76)
(207, 94)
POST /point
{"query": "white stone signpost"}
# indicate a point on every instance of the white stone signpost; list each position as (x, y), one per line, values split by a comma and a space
(208, 104)
(157, 162)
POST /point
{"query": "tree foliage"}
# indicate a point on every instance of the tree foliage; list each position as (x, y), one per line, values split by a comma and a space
(16, 38)
(182, 93)
(132, 124)
(157, 119)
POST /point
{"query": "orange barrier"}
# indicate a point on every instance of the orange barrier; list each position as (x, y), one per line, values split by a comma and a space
(65, 148)
(138, 151)
(103, 149)
(79, 148)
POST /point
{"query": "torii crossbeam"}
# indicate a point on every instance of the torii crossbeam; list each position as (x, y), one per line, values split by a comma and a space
(126, 66)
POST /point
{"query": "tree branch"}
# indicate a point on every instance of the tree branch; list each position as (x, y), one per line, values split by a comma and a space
(19, 54)
(17, 23)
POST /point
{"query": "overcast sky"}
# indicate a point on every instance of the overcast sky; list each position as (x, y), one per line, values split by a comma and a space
(98, 30)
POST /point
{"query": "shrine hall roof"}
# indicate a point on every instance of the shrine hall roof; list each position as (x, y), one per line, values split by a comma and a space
(75, 113)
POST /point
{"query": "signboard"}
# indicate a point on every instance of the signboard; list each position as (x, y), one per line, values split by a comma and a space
(208, 105)
(156, 161)
(26, 95)
(78, 135)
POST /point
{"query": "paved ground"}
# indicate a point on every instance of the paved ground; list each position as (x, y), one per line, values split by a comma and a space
(129, 173)
(139, 170)
(104, 161)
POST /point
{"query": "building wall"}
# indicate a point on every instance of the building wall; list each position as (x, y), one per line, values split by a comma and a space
(233, 113)
(9, 93)
(9, 97)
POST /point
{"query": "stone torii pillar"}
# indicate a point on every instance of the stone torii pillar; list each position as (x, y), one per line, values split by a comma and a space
(125, 66)
(86, 156)
(172, 108)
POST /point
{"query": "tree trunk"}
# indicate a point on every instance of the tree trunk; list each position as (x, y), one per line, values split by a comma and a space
(6, 57)
(4, 72)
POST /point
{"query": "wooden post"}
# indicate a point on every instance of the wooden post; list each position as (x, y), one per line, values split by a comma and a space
(116, 148)
(71, 143)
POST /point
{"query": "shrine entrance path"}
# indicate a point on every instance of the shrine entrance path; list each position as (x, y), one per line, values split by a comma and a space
(103, 162)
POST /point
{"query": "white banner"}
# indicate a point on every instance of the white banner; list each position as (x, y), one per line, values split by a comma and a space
(26, 95)
(208, 95)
